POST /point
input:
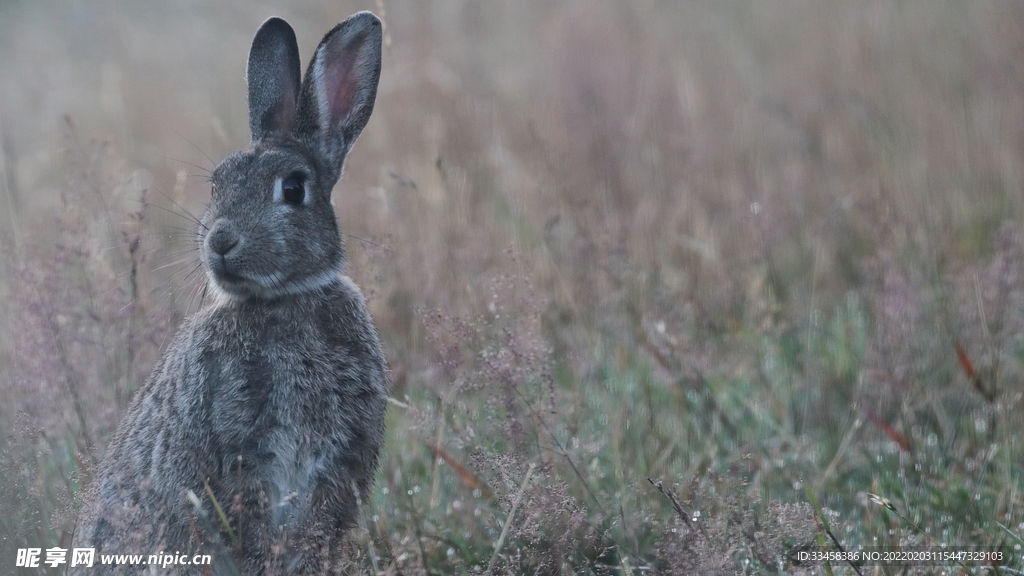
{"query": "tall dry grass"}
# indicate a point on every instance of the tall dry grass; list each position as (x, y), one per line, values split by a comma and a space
(762, 254)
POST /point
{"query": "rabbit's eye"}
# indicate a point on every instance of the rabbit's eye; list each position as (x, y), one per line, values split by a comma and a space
(293, 189)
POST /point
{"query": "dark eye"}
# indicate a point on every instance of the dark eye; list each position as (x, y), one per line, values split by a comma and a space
(293, 189)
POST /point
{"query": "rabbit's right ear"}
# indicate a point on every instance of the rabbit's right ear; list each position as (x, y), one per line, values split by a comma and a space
(273, 75)
(341, 85)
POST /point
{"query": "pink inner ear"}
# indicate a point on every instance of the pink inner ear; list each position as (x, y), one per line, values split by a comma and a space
(340, 78)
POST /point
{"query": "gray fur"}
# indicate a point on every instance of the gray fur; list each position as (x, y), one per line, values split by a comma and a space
(273, 396)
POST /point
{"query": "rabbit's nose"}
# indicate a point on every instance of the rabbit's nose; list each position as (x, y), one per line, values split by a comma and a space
(222, 238)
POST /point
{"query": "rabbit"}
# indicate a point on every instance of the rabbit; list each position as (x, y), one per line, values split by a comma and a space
(257, 435)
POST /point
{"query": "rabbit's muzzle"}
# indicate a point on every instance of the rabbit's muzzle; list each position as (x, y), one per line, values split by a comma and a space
(222, 243)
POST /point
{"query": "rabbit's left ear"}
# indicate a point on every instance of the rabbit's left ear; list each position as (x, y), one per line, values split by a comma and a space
(273, 78)
(341, 85)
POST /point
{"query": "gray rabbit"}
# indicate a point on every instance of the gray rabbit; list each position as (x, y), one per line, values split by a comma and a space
(257, 435)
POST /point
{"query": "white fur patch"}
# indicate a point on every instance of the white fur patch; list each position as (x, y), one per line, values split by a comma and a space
(279, 190)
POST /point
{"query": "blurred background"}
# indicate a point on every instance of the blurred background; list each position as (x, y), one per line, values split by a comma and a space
(665, 286)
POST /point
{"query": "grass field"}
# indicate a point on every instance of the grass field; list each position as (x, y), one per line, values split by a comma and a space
(665, 287)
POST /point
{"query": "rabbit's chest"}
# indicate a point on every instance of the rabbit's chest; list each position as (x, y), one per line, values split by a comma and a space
(279, 415)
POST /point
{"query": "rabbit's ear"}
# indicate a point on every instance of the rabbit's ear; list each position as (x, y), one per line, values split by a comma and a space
(273, 75)
(341, 85)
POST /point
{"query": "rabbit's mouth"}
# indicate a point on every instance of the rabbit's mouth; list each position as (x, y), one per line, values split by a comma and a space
(254, 285)
(228, 280)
